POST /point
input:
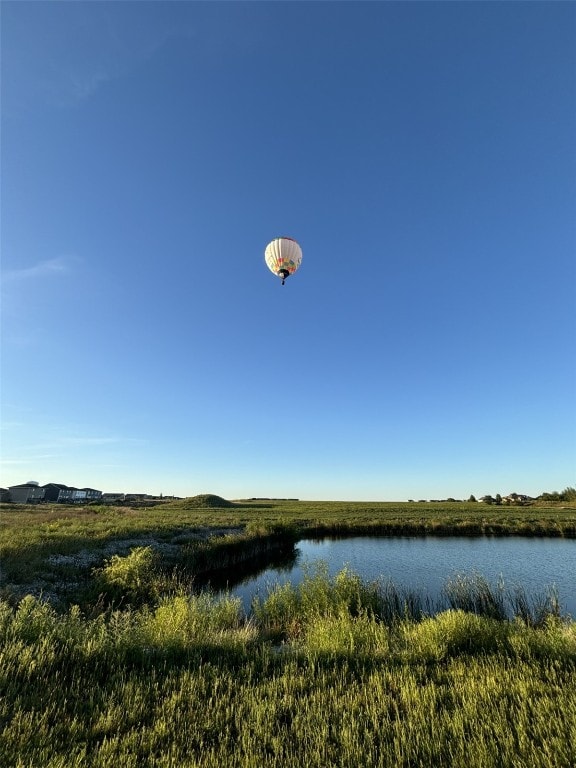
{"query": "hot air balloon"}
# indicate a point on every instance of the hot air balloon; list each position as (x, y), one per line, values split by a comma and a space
(283, 257)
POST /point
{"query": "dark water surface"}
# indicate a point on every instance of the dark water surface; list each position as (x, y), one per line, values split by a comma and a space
(426, 563)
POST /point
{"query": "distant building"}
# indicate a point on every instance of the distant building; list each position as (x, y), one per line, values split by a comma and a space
(92, 494)
(26, 493)
(65, 494)
(516, 498)
(55, 492)
(107, 497)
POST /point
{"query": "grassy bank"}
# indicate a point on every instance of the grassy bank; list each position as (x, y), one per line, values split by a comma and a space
(326, 674)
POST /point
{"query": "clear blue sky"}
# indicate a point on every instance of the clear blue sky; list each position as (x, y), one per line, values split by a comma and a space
(424, 156)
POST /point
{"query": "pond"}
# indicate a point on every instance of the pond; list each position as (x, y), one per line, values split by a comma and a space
(426, 563)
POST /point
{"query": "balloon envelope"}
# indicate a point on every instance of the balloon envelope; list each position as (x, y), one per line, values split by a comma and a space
(283, 256)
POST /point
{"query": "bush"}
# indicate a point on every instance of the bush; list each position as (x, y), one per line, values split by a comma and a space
(133, 576)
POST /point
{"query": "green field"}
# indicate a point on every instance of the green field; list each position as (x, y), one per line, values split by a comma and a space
(112, 661)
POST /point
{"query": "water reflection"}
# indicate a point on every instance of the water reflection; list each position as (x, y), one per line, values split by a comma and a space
(281, 562)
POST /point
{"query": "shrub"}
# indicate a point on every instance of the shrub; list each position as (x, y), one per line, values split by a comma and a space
(132, 576)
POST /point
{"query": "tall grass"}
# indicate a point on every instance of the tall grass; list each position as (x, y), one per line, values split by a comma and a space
(473, 593)
(193, 682)
(287, 607)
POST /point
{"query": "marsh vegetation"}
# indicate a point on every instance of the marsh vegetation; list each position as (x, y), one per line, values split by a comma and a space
(130, 667)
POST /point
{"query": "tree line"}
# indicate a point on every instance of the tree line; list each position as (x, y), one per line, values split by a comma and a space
(568, 494)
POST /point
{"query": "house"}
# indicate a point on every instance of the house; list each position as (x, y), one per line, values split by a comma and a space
(26, 493)
(4, 494)
(65, 494)
(516, 498)
(92, 494)
(111, 497)
(55, 491)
